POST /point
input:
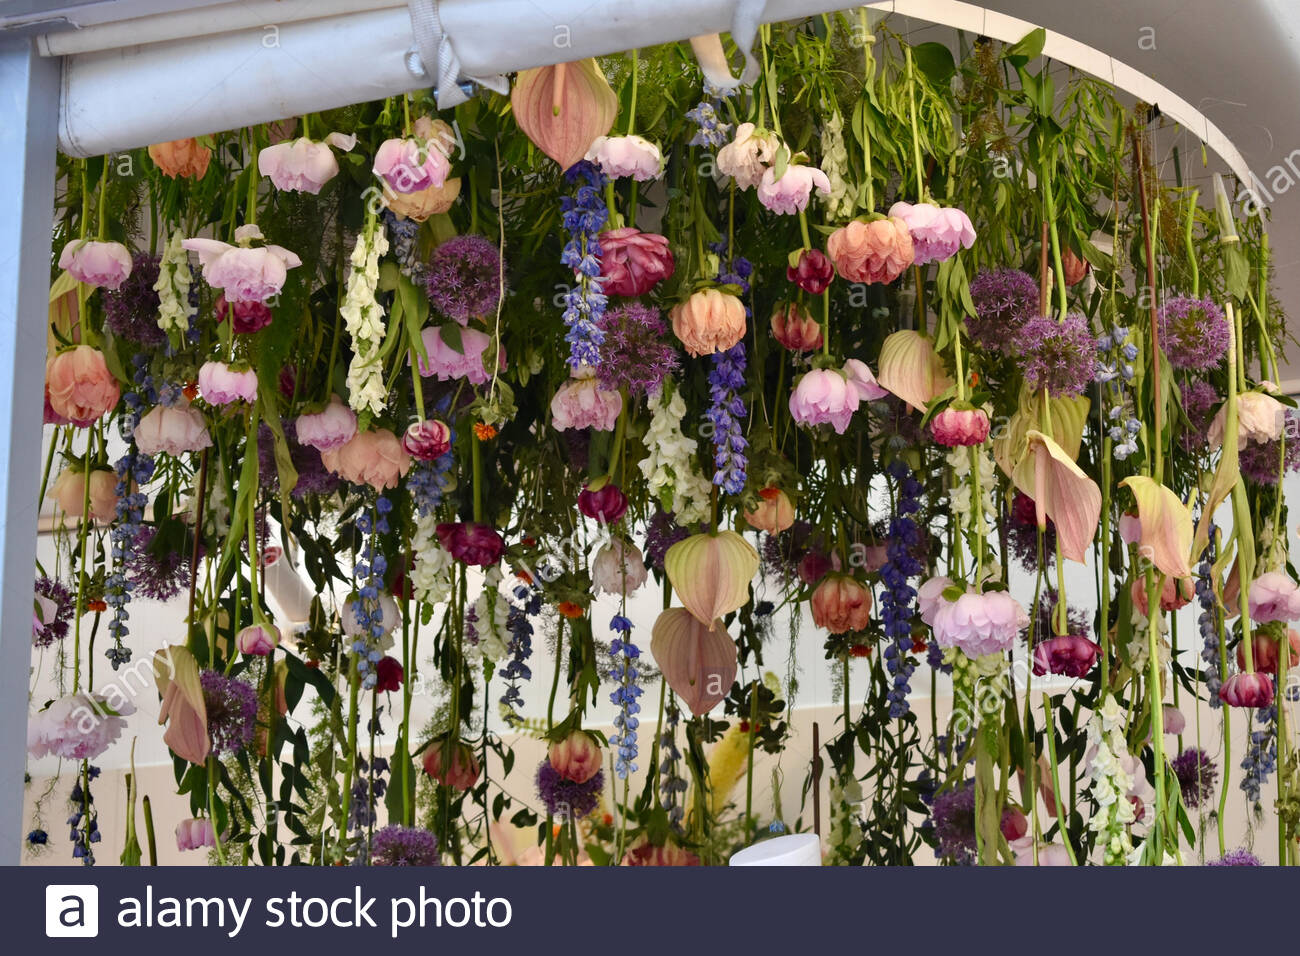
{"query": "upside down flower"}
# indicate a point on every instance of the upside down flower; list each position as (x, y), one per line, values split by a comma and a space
(669, 465)
(937, 233)
(363, 318)
(243, 272)
(101, 264)
(979, 624)
(624, 696)
(789, 194)
(877, 251)
(709, 321)
(745, 159)
(626, 157)
(77, 726)
(582, 403)
(698, 660)
(711, 573)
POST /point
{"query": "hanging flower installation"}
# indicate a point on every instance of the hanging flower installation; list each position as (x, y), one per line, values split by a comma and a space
(575, 414)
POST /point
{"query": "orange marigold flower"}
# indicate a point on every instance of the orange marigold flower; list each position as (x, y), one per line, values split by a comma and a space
(483, 431)
(570, 610)
(524, 576)
(191, 390)
(97, 606)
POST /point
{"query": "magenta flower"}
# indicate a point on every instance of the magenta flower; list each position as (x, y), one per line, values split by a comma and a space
(447, 364)
(258, 640)
(105, 264)
(937, 233)
(1274, 597)
(332, 427)
(408, 166)
(245, 317)
(633, 262)
(471, 543)
(979, 624)
(825, 396)
(427, 440)
(606, 505)
(814, 272)
(219, 384)
(1247, 690)
(1070, 655)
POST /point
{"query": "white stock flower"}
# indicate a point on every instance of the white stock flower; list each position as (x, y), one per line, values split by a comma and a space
(363, 317)
(669, 468)
(431, 575)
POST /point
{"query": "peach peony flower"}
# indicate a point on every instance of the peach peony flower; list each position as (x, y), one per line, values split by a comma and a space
(795, 328)
(1260, 418)
(618, 568)
(80, 386)
(103, 264)
(626, 156)
(709, 321)
(577, 757)
(181, 158)
(1174, 593)
(582, 403)
(69, 493)
(841, 604)
(869, 252)
(423, 203)
(174, 430)
(745, 159)
(375, 458)
(789, 194)
(774, 513)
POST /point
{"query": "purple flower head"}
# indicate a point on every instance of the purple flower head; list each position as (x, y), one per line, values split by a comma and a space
(232, 711)
(661, 534)
(131, 310)
(1236, 858)
(1197, 775)
(1058, 356)
(1194, 333)
(636, 354)
(464, 278)
(1199, 400)
(55, 626)
(313, 477)
(1022, 533)
(396, 845)
(563, 797)
(953, 818)
(1261, 461)
(1005, 299)
(156, 571)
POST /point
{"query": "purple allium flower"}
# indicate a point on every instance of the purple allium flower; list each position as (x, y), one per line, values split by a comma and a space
(636, 354)
(232, 711)
(953, 817)
(464, 278)
(1194, 333)
(1236, 858)
(563, 797)
(1041, 617)
(661, 534)
(1058, 356)
(1022, 533)
(1197, 775)
(396, 845)
(157, 572)
(1199, 400)
(313, 477)
(1261, 462)
(56, 628)
(1005, 299)
(131, 311)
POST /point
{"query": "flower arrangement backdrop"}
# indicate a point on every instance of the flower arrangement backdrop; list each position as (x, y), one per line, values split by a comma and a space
(860, 359)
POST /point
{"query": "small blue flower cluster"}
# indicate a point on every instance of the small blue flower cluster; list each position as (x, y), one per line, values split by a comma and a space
(369, 614)
(1207, 621)
(83, 805)
(584, 215)
(369, 788)
(1115, 357)
(1261, 753)
(404, 237)
(712, 131)
(671, 782)
(896, 604)
(527, 603)
(726, 378)
(625, 695)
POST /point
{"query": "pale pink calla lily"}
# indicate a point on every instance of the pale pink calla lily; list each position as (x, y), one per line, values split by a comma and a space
(697, 661)
(1166, 532)
(183, 709)
(911, 369)
(1061, 491)
(711, 573)
(564, 108)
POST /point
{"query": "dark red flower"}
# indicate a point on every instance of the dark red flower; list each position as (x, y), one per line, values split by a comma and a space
(813, 273)
(1071, 656)
(606, 505)
(1247, 690)
(471, 543)
(814, 566)
(246, 317)
(389, 674)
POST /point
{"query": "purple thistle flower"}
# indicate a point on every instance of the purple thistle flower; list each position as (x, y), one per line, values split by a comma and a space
(953, 818)
(464, 278)
(563, 797)
(232, 710)
(56, 628)
(1240, 857)
(635, 354)
(131, 310)
(396, 845)
(1261, 461)
(1197, 776)
(1199, 400)
(1194, 333)
(1058, 356)
(1005, 299)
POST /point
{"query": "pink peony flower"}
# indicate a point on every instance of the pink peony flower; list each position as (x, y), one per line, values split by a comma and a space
(79, 385)
(195, 834)
(1070, 655)
(69, 492)
(582, 403)
(789, 194)
(606, 504)
(76, 727)
(243, 273)
(174, 430)
(427, 440)
(219, 384)
(451, 763)
(1274, 597)
(863, 379)
(960, 426)
(633, 262)
(618, 568)
(929, 597)
(980, 624)
(795, 328)
(869, 252)
(1265, 651)
(841, 604)
(258, 640)
(408, 166)
(937, 233)
(1247, 690)
(824, 396)
(471, 543)
(747, 156)
(447, 364)
(375, 458)
(298, 166)
(577, 757)
(332, 427)
(626, 156)
(104, 264)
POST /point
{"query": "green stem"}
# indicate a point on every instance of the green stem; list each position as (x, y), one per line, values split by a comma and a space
(916, 136)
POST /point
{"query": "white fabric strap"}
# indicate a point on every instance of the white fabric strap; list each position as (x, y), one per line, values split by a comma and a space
(433, 49)
(745, 22)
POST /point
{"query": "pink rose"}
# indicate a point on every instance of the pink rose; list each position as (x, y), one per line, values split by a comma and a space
(375, 458)
(448, 364)
(329, 428)
(427, 440)
(80, 386)
(979, 624)
(937, 233)
(408, 165)
(1274, 597)
(105, 264)
(219, 384)
(582, 403)
(869, 252)
(244, 273)
(69, 492)
(258, 640)
(633, 262)
(789, 194)
(626, 156)
(471, 543)
(175, 430)
(960, 426)
(300, 166)
(824, 396)
(863, 379)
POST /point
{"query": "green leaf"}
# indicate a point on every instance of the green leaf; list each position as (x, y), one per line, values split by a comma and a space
(1029, 47)
(450, 333)
(935, 61)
